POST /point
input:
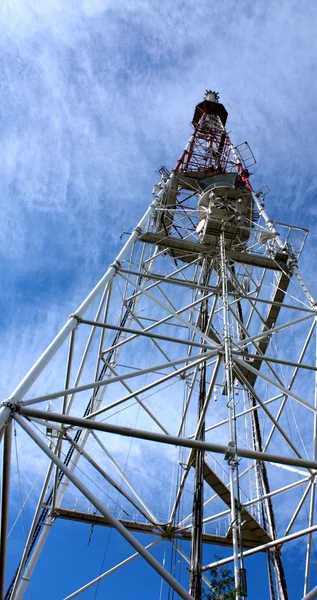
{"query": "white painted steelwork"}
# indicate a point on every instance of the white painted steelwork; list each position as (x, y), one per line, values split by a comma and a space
(188, 310)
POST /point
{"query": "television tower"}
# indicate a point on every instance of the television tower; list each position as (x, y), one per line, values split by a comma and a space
(199, 345)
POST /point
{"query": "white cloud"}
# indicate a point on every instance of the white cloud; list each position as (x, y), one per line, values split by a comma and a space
(95, 96)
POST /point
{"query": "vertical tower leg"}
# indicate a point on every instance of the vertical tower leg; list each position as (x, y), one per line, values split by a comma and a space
(312, 497)
(5, 503)
(232, 455)
(198, 504)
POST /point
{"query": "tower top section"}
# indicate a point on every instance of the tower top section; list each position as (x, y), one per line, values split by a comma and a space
(210, 106)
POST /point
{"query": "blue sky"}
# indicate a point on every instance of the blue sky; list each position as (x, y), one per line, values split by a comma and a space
(95, 96)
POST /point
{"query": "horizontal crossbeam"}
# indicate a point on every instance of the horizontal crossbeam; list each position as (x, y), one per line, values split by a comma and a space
(184, 246)
(86, 423)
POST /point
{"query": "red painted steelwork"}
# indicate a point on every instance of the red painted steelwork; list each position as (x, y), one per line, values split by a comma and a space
(210, 150)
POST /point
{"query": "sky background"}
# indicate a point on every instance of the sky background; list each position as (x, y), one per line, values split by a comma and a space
(95, 96)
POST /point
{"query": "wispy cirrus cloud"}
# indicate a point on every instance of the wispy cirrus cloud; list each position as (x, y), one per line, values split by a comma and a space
(94, 97)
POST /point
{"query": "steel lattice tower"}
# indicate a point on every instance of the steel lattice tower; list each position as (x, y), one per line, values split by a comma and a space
(199, 342)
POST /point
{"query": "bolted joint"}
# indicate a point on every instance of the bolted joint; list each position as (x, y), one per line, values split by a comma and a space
(54, 514)
(314, 308)
(76, 317)
(231, 452)
(115, 265)
(11, 405)
(261, 203)
(234, 525)
(137, 230)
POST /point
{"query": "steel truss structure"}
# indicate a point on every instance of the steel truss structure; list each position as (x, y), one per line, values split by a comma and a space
(198, 343)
